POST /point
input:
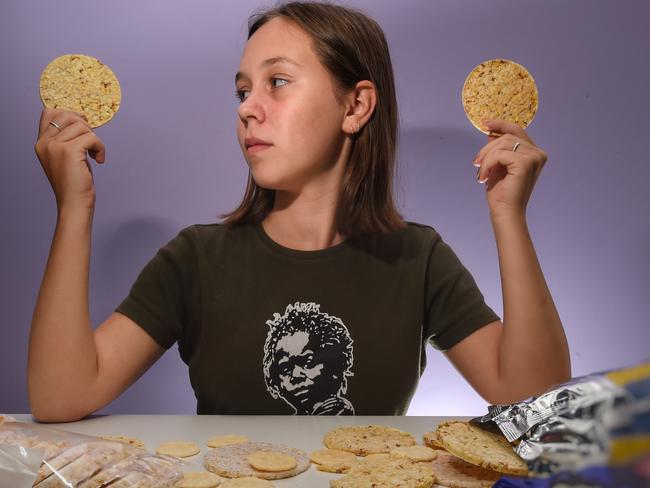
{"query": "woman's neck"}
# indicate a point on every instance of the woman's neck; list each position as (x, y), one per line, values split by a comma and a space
(303, 223)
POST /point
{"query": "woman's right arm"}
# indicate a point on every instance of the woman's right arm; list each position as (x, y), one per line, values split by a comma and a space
(72, 369)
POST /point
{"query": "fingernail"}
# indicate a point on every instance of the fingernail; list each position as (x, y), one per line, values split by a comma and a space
(482, 181)
(476, 163)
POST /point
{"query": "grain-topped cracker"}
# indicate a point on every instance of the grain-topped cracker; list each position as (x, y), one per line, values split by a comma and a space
(431, 440)
(377, 458)
(499, 89)
(232, 461)
(452, 472)
(179, 449)
(131, 441)
(333, 460)
(363, 440)
(199, 479)
(415, 453)
(477, 446)
(400, 472)
(247, 482)
(271, 461)
(227, 440)
(82, 84)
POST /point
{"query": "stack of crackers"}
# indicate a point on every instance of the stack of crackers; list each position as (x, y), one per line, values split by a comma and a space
(455, 455)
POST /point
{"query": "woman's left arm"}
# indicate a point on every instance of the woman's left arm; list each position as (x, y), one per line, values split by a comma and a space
(528, 352)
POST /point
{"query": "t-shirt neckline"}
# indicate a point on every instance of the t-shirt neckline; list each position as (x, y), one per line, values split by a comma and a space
(296, 253)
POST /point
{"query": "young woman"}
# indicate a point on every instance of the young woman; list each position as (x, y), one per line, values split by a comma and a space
(314, 296)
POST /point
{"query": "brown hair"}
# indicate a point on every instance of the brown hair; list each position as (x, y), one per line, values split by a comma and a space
(352, 47)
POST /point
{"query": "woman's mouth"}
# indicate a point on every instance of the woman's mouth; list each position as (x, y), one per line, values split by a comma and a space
(257, 148)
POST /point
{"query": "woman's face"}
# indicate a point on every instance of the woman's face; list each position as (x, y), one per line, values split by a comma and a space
(291, 106)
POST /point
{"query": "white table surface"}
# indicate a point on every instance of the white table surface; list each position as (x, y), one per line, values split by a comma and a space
(302, 432)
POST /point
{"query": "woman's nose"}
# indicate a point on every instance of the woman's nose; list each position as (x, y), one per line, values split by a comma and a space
(251, 107)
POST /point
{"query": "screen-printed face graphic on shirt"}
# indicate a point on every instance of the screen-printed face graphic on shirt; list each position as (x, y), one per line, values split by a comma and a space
(307, 359)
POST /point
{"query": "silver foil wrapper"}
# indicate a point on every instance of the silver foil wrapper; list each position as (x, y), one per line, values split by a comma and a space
(566, 428)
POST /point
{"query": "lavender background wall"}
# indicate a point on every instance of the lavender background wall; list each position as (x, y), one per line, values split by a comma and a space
(173, 160)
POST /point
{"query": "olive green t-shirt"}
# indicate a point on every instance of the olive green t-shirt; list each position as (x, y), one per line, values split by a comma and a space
(266, 330)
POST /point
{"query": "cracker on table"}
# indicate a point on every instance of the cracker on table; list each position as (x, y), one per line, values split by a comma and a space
(499, 89)
(363, 440)
(377, 458)
(333, 460)
(180, 449)
(131, 441)
(431, 440)
(199, 479)
(400, 472)
(226, 440)
(415, 453)
(452, 472)
(82, 84)
(271, 461)
(232, 461)
(477, 446)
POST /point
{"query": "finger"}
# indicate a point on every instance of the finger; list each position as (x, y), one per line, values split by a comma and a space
(94, 146)
(62, 121)
(504, 142)
(46, 116)
(60, 117)
(498, 126)
(499, 157)
(71, 131)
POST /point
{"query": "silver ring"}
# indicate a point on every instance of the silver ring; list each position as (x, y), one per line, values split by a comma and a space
(515, 148)
(56, 125)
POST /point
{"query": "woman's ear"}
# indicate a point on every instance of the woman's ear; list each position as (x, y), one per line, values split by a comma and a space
(361, 105)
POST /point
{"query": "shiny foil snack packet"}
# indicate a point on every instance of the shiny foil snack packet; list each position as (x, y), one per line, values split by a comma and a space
(602, 419)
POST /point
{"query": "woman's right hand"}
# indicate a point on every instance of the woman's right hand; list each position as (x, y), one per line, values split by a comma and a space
(62, 154)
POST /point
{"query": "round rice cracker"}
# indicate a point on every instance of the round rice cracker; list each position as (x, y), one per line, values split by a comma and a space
(227, 440)
(499, 89)
(247, 482)
(179, 449)
(130, 441)
(477, 446)
(415, 453)
(333, 460)
(273, 462)
(400, 472)
(452, 472)
(199, 479)
(232, 461)
(82, 84)
(363, 440)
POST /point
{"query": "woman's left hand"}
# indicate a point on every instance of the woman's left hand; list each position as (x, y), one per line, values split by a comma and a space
(509, 176)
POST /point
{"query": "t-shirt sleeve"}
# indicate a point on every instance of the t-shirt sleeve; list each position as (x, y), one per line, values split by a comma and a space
(161, 297)
(455, 307)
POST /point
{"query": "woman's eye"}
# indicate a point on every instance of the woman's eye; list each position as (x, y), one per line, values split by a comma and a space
(278, 79)
(239, 94)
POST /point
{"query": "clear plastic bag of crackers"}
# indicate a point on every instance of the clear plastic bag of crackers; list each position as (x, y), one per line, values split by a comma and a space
(52, 458)
(598, 423)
